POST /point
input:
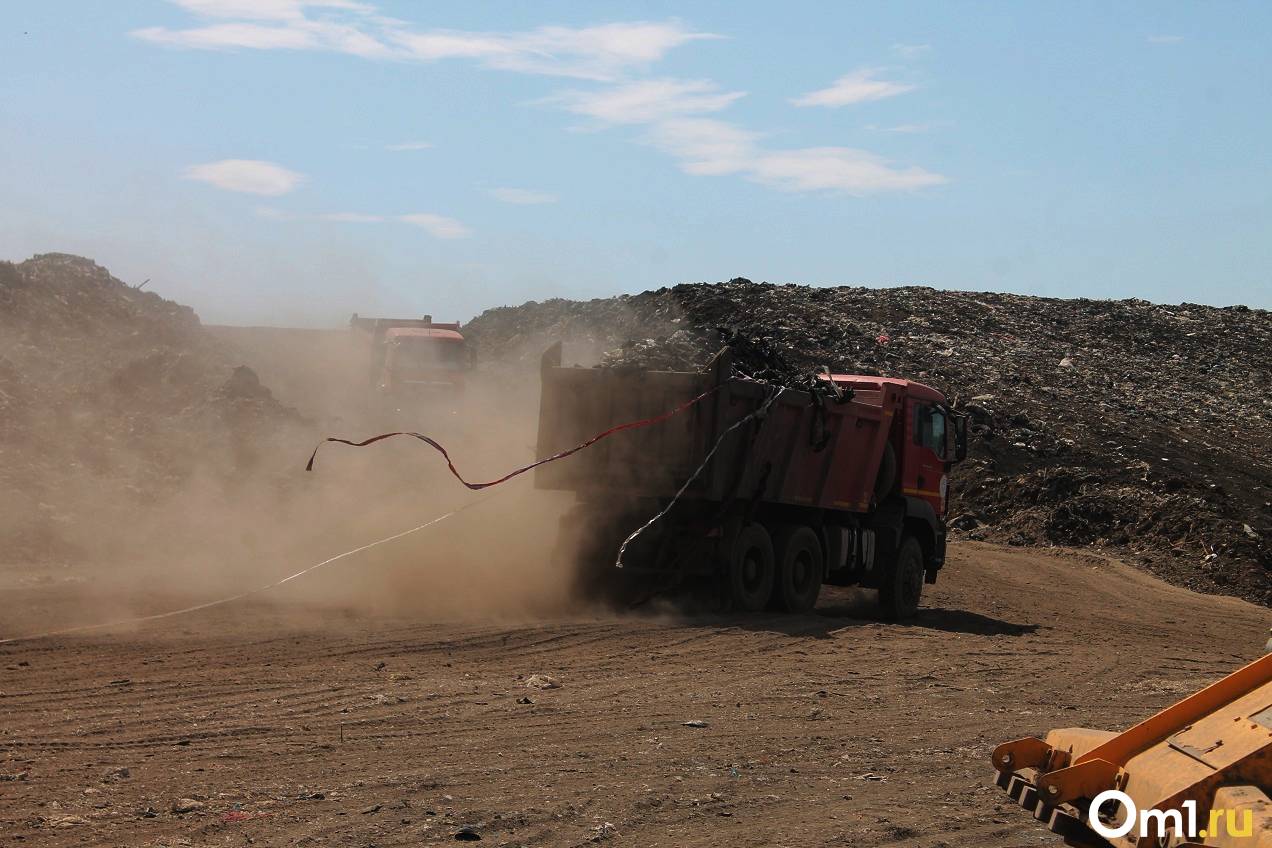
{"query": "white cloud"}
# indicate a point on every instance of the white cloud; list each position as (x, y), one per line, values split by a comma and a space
(910, 51)
(841, 169)
(255, 36)
(1165, 39)
(522, 196)
(409, 145)
(436, 225)
(673, 113)
(647, 100)
(857, 87)
(595, 52)
(250, 176)
(302, 34)
(708, 147)
(705, 146)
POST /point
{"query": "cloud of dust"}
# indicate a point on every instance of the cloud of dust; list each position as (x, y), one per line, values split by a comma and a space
(123, 542)
(249, 514)
(493, 559)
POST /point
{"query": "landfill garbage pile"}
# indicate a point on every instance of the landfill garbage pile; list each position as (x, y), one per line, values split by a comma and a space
(111, 395)
(1138, 427)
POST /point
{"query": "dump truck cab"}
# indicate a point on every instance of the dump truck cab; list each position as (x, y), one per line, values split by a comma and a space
(423, 359)
(925, 439)
(414, 357)
(929, 441)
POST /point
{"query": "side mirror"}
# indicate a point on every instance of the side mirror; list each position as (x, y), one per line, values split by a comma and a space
(957, 437)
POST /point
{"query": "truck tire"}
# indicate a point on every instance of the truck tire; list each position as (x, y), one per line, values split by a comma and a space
(902, 583)
(751, 569)
(800, 565)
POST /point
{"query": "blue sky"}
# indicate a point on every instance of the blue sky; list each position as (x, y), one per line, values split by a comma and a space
(276, 161)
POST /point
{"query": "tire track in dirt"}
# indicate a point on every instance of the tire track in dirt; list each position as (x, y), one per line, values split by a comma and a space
(820, 730)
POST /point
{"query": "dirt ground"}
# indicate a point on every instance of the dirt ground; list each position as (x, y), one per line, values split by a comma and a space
(284, 723)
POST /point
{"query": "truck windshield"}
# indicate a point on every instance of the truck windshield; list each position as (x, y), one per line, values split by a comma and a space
(423, 354)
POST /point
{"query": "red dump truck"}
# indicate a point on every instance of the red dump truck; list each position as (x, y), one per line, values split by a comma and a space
(846, 485)
(414, 356)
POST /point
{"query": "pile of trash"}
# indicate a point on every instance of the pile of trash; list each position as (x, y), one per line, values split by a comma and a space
(112, 395)
(1139, 427)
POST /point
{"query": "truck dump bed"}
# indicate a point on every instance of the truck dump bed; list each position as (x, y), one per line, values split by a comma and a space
(820, 455)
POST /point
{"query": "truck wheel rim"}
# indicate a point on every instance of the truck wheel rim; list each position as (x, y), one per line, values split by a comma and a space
(752, 571)
(801, 571)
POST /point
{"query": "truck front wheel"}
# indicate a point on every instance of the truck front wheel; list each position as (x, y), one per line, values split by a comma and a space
(751, 569)
(902, 584)
(799, 569)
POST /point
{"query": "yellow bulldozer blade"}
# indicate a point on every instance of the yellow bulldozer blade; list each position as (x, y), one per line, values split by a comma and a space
(1196, 774)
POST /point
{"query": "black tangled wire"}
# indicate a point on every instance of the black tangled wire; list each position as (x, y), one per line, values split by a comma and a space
(760, 359)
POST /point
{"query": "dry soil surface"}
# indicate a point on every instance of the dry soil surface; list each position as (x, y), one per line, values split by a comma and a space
(262, 724)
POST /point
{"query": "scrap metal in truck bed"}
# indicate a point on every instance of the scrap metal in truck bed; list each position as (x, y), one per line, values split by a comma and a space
(845, 482)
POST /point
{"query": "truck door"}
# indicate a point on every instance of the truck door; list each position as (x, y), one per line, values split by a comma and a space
(925, 467)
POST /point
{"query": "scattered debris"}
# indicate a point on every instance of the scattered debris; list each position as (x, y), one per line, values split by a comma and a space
(67, 821)
(605, 830)
(233, 816)
(542, 681)
(386, 698)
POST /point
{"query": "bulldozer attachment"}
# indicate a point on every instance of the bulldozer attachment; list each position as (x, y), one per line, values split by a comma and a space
(1198, 773)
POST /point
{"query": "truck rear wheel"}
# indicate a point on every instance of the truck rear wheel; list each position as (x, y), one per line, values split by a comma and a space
(902, 583)
(799, 569)
(751, 569)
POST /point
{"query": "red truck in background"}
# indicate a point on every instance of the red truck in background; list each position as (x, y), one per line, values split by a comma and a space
(847, 485)
(412, 357)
